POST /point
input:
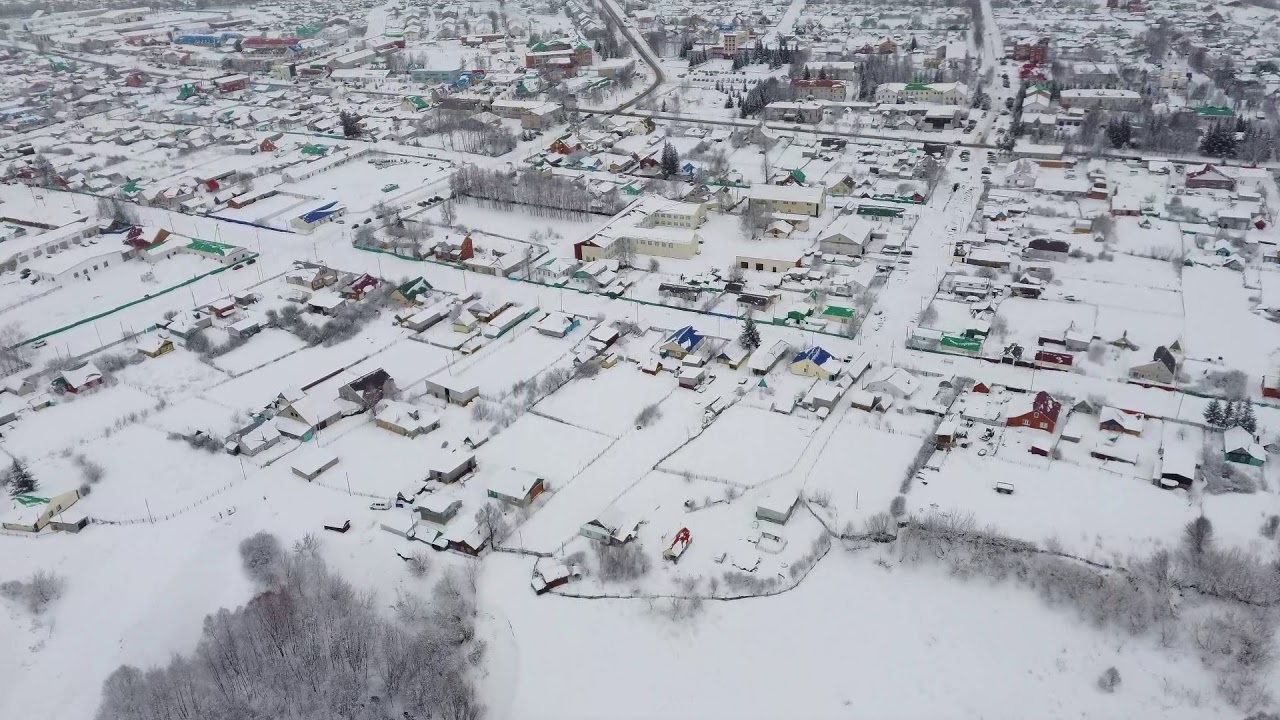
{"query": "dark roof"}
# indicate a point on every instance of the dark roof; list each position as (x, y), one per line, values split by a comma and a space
(1046, 405)
(1163, 355)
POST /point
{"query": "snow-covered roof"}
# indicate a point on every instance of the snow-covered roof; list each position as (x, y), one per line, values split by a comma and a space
(1128, 422)
(509, 482)
(312, 460)
(81, 376)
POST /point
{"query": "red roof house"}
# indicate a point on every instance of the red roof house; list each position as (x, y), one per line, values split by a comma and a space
(1038, 413)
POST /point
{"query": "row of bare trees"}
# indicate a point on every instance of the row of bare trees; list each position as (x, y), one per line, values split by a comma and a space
(532, 188)
(309, 645)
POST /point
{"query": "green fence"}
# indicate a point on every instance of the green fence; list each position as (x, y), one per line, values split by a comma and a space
(131, 303)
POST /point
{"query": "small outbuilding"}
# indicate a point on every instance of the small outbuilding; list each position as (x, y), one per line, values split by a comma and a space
(311, 462)
(153, 346)
(449, 467)
(778, 506)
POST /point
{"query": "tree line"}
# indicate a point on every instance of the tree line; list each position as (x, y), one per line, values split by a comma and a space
(532, 188)
(310, 645)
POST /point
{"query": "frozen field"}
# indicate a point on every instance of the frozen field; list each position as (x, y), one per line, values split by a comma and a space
(720, 664)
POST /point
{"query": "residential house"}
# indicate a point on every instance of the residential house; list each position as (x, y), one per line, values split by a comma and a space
(258, 438)
(404, 419)
(437, 508)
(1240, 446)
(763, 361)
(411, 291)
(611, 527)
(1112, 419)
(892, 381)
(515, 487)
(682, 342)
(153, 346)
(301, 417)
(1162, 369)
(75, 380)
(1040, 412)
(1209, 176)
(816, 362)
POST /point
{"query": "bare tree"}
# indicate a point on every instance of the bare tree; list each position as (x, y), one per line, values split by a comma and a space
(490, 517)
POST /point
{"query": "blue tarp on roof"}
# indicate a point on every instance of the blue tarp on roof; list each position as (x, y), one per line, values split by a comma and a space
(819, 356)
(686, 337)
(321, 213)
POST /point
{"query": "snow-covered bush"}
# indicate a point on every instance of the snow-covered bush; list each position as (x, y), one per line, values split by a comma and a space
(1270, 527)
(262, 557)
(620, 563)
(419, 563)
(36, 593)
(880, 527)
(648, 415)
(1109, 680)
(898, 507)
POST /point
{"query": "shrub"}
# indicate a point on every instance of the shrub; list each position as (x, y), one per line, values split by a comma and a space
(619, 563)
(419, 563)
(1198, 535)
(1270, 527)
(649, 415)
(90, 470)
(821, 498)
(1109, 680)
(37, 593)
(262, 557)
(881, 527)
(898, 507)
(588, 369)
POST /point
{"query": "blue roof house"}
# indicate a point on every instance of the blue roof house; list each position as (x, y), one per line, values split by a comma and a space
(682, 342)
(816, 362)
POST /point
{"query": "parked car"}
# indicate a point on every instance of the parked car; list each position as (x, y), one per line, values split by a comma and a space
(380, 505)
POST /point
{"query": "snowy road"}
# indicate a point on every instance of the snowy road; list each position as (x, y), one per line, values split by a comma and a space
(788, 21)
(909, 291)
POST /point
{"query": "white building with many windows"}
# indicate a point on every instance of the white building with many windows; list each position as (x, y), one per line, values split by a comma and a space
(941, 93)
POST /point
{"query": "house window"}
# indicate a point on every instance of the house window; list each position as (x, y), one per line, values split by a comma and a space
(760, 266)
(1044, 426)
(75, 275)
(743, 264)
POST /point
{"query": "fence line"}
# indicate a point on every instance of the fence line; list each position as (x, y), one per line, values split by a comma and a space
(131, 303)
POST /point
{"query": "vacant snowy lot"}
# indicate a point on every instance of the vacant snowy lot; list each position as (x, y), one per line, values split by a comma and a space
(745, 446)
(609, 402)
(545, 447)
(75, 420)
(860, 468)
(1089, 511)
